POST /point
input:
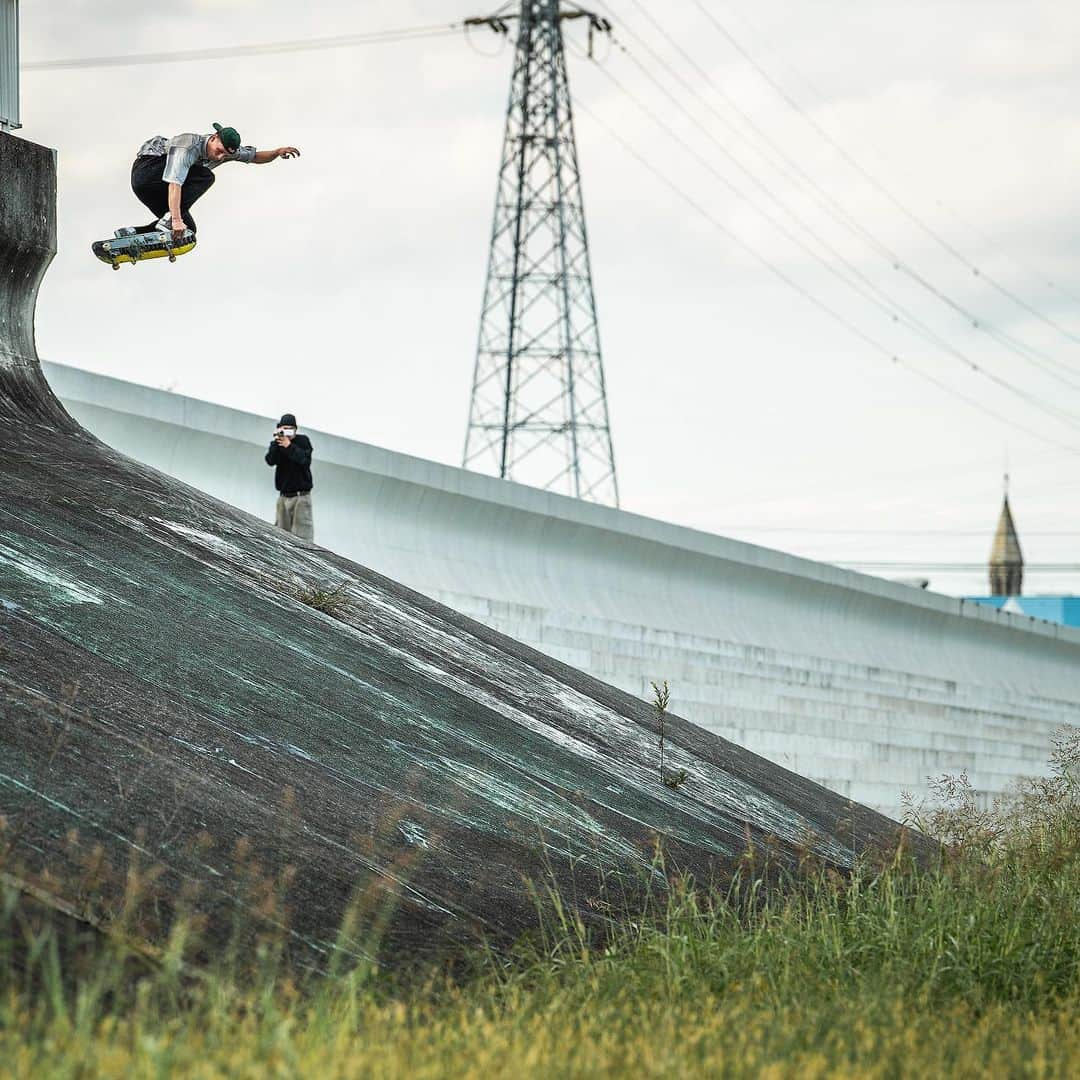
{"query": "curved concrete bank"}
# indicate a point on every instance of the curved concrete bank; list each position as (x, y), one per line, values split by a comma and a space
(866, 686)
(168, 698)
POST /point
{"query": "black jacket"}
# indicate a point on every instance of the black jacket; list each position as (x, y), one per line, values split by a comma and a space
(293, 463)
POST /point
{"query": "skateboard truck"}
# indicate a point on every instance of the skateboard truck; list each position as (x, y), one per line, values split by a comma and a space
(107, 246)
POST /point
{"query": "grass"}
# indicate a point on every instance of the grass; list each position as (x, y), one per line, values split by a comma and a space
(967, 967)
(332, 600)
(661, 698)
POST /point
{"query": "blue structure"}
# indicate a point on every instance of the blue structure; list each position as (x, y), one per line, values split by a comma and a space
(1056, 609)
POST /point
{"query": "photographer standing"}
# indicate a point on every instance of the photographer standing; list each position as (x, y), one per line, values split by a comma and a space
(290, 452)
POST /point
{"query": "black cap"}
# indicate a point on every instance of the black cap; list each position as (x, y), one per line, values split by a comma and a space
(288, 420)
(230, 137)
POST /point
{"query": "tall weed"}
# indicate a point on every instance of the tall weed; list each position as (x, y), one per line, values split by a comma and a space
(967, 964)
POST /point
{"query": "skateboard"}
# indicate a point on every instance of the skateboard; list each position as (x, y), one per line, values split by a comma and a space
(128, 246)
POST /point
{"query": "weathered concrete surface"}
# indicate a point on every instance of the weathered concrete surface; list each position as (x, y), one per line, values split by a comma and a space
(165, 701)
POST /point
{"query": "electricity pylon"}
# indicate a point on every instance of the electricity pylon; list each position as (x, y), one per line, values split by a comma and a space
(539, 408)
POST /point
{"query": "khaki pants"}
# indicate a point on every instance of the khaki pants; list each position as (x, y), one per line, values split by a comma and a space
(294, 515)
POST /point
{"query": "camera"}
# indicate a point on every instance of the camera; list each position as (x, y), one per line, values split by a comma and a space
(285, 433)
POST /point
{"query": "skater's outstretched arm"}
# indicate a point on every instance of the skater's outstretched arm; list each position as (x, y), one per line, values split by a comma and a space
(286, 152)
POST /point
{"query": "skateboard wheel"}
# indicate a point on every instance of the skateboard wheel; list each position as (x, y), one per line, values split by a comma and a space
(172, 257)
(116, 266)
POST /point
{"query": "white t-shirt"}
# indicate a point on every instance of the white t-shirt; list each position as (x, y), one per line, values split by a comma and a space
(183, 151)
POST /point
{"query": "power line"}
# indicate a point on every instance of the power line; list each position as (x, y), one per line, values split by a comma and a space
(1035, 272)
(834, 208)
(1045, 279)
(734, 237)
(882, 301)
(295, 45)
(806, 294)
(873, 180)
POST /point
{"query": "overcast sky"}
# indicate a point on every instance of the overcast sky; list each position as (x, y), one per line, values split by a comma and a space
(346, 286)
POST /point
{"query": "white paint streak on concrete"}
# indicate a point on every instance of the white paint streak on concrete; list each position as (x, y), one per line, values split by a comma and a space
(215, 543)
(62, 588)
(414, 833)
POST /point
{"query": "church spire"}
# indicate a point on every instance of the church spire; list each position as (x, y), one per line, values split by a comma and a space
(1006, 558)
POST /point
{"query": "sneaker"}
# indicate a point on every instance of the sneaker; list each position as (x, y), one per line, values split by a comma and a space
(164, 224)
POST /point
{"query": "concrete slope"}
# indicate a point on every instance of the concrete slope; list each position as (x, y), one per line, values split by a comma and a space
(168, 702)
(867, 686)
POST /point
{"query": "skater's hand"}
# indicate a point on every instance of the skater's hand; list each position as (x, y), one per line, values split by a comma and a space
(178, 228)
(287, 152)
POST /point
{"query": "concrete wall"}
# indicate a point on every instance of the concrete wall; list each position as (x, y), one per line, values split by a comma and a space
(864, 685)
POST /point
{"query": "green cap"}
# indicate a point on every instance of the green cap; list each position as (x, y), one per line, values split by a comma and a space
(230, 138)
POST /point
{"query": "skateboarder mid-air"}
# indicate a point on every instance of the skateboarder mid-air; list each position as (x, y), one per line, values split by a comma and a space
(168, 175)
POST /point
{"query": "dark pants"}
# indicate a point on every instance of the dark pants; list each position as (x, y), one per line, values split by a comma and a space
(153, 192)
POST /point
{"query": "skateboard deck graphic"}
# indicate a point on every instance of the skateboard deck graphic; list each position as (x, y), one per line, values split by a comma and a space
(139, 246)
